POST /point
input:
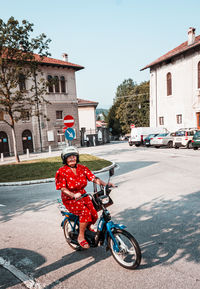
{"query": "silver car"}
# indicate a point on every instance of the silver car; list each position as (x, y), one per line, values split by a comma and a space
(163, 139)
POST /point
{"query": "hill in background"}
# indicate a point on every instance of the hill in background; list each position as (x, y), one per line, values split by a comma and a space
(100, 112)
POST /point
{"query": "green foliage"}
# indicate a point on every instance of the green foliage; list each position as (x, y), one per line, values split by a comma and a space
(131, 106)
(18, 63)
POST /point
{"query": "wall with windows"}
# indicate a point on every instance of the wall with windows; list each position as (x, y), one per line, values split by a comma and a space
(62, 96)
(174, 93)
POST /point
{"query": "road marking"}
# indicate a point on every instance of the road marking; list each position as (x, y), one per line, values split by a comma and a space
(2, 205)
(28, 282)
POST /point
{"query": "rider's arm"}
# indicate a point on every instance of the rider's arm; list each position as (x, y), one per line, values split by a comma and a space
(70, 194)
(99, 182)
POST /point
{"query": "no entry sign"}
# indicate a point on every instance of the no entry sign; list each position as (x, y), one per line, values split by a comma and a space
(68, 121)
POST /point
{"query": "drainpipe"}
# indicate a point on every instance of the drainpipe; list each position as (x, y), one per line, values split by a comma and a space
(156, 99)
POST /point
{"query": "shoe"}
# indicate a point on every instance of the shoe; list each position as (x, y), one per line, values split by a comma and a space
(84, 244)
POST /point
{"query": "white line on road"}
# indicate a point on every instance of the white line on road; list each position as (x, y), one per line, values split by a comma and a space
(2, 205)
(28, 282)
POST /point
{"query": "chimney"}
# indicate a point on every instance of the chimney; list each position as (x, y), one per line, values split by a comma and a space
(65, 56)
(191, 35)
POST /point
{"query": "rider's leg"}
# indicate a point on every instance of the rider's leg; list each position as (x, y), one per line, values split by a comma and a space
(81, 236)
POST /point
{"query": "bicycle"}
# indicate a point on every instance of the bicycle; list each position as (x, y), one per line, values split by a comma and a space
(123, 246)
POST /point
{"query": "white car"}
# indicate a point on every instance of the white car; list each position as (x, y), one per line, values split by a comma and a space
(163, 139)
(183, 138)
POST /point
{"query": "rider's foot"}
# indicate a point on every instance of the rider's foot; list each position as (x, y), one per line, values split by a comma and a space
(84, 244)
(91, 229)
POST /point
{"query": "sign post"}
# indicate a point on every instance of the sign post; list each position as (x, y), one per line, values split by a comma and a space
(68, 130)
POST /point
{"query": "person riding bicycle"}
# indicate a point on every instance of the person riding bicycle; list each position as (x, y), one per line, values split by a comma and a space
(71, 179)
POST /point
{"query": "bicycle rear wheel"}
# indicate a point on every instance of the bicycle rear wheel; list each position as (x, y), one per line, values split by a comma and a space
(129, 255)
(71, 234)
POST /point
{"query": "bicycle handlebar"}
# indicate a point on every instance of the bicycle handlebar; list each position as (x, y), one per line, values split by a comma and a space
(107, 190)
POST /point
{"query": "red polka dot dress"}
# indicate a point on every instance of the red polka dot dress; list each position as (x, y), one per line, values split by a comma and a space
(75, 183)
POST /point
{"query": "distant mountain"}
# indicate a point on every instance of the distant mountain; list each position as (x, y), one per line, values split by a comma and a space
(101, 110)
(100, 113)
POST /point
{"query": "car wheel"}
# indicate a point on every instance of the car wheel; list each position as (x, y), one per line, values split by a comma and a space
(170, 144)
(157, 147)
(189, 145)
(176, 147)
(195, 148)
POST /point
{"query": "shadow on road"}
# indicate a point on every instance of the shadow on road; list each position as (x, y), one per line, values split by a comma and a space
(28, 261)
(167, 230)
(129, 167)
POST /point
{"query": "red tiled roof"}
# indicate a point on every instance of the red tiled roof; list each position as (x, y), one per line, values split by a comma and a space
(84, 102)
(176, 51)
(57, 62)
(100, 123)
(50, 61)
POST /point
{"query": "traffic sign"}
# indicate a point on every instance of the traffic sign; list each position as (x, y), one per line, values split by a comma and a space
(132, 125)
(70, 133)
(68, 121)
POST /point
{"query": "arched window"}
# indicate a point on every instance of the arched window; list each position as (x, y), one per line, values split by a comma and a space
(50, 83)
(199, 75)
(22, 84)
(56, 81)
(62, 82)
(169, 83)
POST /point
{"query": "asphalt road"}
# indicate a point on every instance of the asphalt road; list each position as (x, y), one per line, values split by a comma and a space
(158, 198)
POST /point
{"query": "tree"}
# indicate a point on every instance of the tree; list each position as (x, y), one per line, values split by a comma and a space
(19, 62)
(131, 105)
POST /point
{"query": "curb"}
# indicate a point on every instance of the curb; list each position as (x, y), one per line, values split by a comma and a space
(23, 183)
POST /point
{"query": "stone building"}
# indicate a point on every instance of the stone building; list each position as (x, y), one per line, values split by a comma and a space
(63, 99)
(175, 86)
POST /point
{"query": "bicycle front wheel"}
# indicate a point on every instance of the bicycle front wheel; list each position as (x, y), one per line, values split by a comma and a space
(129, 255)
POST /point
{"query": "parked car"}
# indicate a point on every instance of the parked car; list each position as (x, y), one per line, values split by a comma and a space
(148, 138)
(196, 140)
(138, 134)
(162, 139)
(183, 138)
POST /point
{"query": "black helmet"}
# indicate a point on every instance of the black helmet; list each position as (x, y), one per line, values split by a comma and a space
(68, 151)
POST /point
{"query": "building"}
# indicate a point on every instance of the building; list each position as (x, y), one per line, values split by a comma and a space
(175, 86)
(63, 101)
(92, 132)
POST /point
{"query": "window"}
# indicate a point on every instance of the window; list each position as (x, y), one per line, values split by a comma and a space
(59, 114)
(57, 87)
(50, 83)
(62, 82)
(179, 118)
(169, 83)
(1, 115)
(25, 115)
(199, 75)
(161, 120)
(22, 84)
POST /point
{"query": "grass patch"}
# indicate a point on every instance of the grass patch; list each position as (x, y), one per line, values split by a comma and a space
(45, 168)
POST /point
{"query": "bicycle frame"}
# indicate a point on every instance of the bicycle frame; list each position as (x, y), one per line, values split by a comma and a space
(110, 226)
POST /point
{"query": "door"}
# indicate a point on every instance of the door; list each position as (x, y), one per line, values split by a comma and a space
(27, 141)
(4, 147)
(198, 119)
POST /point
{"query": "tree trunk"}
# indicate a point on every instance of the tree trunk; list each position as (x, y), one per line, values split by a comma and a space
(15, 145)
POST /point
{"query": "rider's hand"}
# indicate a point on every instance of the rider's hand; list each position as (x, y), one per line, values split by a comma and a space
(77, 195)
(111, 185)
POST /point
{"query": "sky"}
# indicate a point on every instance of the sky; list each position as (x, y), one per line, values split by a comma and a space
(112, 39)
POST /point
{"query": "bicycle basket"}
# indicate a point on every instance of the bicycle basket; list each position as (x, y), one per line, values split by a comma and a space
(100, 199)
